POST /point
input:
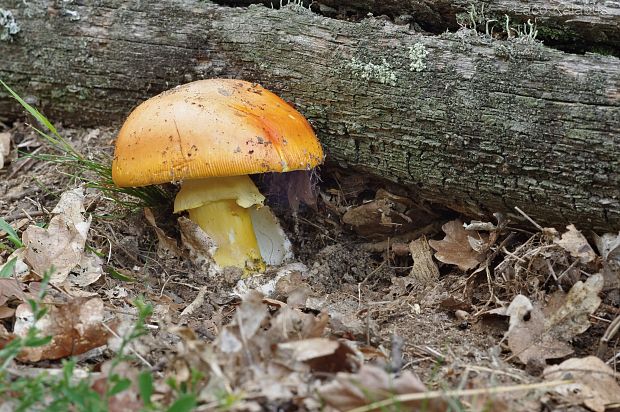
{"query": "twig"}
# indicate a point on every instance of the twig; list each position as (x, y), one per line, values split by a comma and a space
(24, 193)
(611, 331)
(196, 303)
(553, 275)
(404, 238)
(539, 227)
(29, 215)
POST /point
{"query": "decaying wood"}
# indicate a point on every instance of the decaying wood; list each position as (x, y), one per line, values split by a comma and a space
(576, 25)
(478, 124)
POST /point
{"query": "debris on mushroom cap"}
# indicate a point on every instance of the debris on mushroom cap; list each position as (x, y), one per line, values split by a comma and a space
(216, 127)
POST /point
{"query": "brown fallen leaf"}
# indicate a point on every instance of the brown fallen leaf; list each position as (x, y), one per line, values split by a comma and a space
(536, 334)
(593, 384)
(456, 246)
(371, 384)
(386, 214)
(12, 288)
(266, 353)
(61, 244)
(167, 246)
(322, 354)
(75, 327)
(87, 272)
(576, 244)
(608, 247)
(424, 269)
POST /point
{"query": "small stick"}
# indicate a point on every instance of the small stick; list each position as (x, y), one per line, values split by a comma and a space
(539, 227)
(29, 215)
(609, 334)
(196, 303)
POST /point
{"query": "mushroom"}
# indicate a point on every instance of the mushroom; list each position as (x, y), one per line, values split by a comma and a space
(210, 135)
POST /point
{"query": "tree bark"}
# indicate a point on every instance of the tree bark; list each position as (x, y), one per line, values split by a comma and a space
(476, 124)
(573, 25)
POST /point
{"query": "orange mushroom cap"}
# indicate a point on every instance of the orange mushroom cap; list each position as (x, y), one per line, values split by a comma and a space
(208, 128)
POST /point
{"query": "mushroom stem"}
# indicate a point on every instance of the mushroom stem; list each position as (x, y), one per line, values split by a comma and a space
(230, 226)
(221, 207)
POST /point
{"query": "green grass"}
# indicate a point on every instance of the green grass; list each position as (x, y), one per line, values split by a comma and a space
(11, 235)
(95, 173)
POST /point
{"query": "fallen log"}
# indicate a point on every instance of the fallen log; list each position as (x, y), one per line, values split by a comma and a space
(573, 25)
(477, 124)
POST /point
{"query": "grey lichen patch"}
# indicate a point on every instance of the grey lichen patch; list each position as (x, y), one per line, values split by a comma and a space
(8, 26)
(71, 14)
(417, 55)
(383, 73)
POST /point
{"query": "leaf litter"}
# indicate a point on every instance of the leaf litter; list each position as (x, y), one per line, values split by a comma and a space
(324, 332)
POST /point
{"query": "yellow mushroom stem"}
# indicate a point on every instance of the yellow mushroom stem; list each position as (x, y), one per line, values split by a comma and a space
(230, 226)
(221, 207)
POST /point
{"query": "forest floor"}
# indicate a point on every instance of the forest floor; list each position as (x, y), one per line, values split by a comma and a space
(388, 304)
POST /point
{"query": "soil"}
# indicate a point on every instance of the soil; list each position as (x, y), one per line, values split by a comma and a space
(360, 288)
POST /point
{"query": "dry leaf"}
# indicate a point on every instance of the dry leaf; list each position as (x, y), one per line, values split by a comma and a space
(88, 271)
(594, 382)
(323, 354)
(167, 246)
(372, 384)
(71, 204)
(250, 314)
(253, 353)
(12, 288)
(387, 214)
(576, 244)
(306, 349)
(455, 248)
(61, 244)
(608, 246)
(75, 328)
(537, 334)
(424, 269)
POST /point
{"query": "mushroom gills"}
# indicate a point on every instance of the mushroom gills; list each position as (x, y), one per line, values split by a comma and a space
(230, 210)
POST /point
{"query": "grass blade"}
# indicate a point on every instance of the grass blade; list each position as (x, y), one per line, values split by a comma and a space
(150, 196)
(6, 271)
(37, 115)
(11, 234)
